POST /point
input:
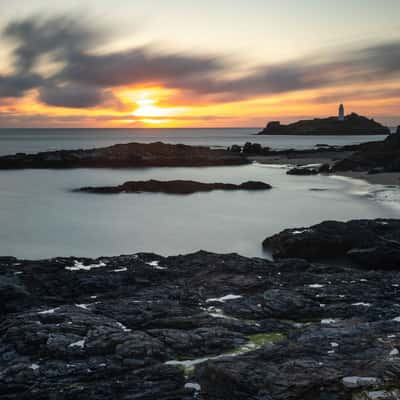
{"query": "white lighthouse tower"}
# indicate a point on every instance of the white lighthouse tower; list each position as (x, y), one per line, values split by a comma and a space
(341, 113)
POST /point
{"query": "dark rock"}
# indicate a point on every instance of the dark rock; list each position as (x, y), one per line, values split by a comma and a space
(235, 148)
(324, 168)
(353, 124)
(374, 156)
(143, 326)
(174, 187)
(303, 171)
(356, 240)
(125, 156)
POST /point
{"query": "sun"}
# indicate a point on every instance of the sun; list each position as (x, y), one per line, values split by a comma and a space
(151, 105)
(148, 108)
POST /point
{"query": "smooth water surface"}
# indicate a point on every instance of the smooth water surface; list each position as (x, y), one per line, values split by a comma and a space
(35, 140)
(41, 217)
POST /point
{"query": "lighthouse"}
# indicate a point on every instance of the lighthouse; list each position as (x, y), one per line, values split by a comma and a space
(341, 113)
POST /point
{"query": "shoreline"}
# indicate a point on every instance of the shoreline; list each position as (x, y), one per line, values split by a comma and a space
(384, 178)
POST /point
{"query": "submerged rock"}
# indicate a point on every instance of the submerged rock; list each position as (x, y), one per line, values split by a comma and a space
(174, 187)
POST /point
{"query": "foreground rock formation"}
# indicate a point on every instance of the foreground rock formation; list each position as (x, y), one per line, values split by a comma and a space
(128, 155)
(353, 124)
(206, 326)
(174, 187)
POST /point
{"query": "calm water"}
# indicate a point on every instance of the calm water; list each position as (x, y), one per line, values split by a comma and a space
(41, 217)
(34, 140)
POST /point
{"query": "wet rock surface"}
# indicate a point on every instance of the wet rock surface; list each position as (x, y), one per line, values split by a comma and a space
(130, 155)
(199, 326)
(364, 243)
(174, 187)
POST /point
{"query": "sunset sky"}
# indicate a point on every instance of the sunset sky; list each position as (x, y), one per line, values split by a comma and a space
(190, 63)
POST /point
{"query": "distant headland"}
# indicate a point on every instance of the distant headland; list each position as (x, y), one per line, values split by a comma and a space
(352, 124)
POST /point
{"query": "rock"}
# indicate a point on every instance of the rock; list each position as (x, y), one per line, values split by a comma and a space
(255, 149)
(375, 157)
(324, 169)
(203, 325)
(309, 170)
(353, 124)
(302, 171)
(235, 148)
(365, 242)
(125, 156)
(174, 187)
(353, 382)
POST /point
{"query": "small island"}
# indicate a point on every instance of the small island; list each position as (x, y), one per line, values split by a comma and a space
(352, 124)
(173, 187)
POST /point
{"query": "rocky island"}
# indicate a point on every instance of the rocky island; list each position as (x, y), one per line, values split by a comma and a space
(130, 155)
(174, 187)
(209, 326)
(352, 124)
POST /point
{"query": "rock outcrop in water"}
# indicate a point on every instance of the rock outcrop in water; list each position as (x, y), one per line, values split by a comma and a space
(365, 243)
(206, 326)
(353, 124)
(128, 155)
(174, 187)
(374, 157)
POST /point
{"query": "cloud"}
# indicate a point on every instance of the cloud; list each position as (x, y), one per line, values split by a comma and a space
(73, 95)
(85, 78)
(17, 85)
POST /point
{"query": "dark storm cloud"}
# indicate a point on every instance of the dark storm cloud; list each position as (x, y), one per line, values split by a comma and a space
(17, 85)
(84, 77)
(73, 95)
(137, 66)
(62, 36)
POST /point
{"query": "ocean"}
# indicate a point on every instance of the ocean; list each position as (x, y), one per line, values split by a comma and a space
(42, 217)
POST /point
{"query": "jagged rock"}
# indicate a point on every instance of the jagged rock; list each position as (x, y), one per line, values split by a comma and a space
(366, 242)
(201, 326)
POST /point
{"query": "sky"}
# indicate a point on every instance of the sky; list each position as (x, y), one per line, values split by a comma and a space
(185, 63)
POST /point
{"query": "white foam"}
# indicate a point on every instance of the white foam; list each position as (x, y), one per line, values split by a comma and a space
(34, 366)
(78, 266)
(224, 298)
(50, 311)
(328, 321)
(362, 304)
(299, 232)
(394, 352)
(155, 264)
(192, 385)
(84, 306)
(316, 286)
(79, 343)
(120, 270)
(123, 327)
